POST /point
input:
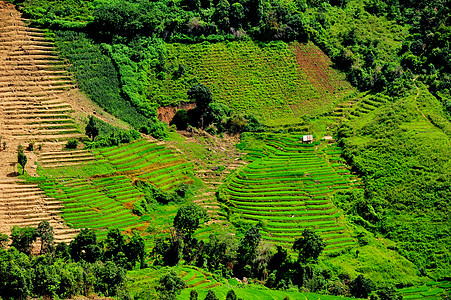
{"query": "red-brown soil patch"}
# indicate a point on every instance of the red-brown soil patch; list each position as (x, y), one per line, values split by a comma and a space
(167, 113)
(317, 66)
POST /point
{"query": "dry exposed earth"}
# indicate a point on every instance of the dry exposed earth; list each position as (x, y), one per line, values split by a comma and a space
(34, 108)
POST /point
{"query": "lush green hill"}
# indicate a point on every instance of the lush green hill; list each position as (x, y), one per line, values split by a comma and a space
(403, 152)
(276, 82)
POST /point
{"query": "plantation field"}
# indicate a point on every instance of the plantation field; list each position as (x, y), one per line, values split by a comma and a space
(288, 188)
(251, 77)
(100, 194)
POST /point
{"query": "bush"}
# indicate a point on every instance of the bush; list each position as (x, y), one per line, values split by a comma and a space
(72, 144)
(181, 119)
(156, 129)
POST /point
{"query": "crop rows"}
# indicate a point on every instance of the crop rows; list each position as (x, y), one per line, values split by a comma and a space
(150, 162)
(25, 204)
(32, 78)
(65, 158)
(249, 77)
(98, 203)
(289, 188)
(432, 290)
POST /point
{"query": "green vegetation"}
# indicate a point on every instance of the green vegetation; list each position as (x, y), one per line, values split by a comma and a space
(403, 155)
(96, 75)
(377, 196)
(249, 77)
(288, 188)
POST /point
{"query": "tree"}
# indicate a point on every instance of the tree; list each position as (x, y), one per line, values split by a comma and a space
(92, 131)
(84, 246)
(3, 240)
(62, 251)
(168, 251)
(201, 94)
(23, 238)
(181, 119)
(114, 243)
(21, 158)
(108, 278)
(193, 295)
(247, 251)
(309, 245)
(170, 285)
(361, 287)
(211, 295)
(15, 281)
(189, 218)
(231, 295)
(45, 232)
(135, 249)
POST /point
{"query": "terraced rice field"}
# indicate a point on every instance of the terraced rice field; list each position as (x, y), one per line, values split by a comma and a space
(32, 110)
(25, 204)
(31, 79)
(288, 187)
(150, 162)
(432, 290)
(98, 203)
(106, 200)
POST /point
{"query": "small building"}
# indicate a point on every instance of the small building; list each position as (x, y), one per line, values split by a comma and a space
(307, 138)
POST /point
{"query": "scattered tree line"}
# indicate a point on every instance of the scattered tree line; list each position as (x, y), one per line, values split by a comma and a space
(251, 258)
(83, 267)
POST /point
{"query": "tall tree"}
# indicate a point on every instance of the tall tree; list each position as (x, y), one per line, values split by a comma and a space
(189, 218)
(21, 158)
(23, 237)
(201, 94)
(45, 233)
(84, 246)
(170, 285)
(92, 131)
(309, 245)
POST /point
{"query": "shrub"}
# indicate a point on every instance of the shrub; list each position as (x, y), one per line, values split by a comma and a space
(72, 144)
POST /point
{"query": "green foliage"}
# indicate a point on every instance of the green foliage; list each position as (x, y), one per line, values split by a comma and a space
(67, 14)
(109, 278)
(96, 75)
(309, 245)
(201, 95)
(22, 238)
(231, 295)
(361, 287)
(170, 285)
(72, 144)
(109, 135)
(189, 218)
(404, 160)
(15, 280)
(85, 247)
(250, 77)
(45, 233)
(193, 295)
(157, 129)
(21, 158)
(181, 119)
(211, 295)
(247, 251)
(3, 240)
(91, 128)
